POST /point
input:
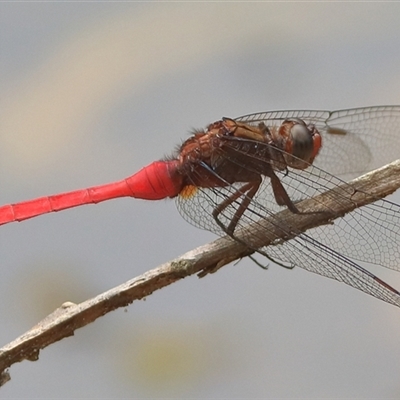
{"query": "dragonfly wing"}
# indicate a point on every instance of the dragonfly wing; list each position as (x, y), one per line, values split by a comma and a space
(311, 255)
(359, 140)
(314, 251)
(370, 233)
(354, 141)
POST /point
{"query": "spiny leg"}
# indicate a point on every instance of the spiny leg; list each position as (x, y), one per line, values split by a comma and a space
(281, 196)
(248, 191)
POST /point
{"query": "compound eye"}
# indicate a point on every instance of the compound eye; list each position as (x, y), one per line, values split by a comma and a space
(302, 141)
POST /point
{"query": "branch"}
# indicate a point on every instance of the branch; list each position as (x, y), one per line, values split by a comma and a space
(202, 260)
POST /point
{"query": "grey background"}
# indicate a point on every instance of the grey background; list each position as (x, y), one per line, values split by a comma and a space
(90, 93)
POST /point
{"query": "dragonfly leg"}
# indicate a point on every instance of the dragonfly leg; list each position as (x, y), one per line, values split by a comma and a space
(262, 266)
(248, 191)
(276, 261)
(280, 194)
(265, 267)
(282, 198)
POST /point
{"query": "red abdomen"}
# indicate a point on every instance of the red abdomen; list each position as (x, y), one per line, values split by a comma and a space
(158, 180)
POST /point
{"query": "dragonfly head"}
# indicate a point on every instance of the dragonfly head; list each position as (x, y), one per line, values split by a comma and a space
(301, 142)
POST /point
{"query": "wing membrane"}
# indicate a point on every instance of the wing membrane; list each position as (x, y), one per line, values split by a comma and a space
(370, 233)
(354, 141)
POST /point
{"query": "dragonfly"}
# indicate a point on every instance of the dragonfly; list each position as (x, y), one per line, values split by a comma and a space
(239, 171)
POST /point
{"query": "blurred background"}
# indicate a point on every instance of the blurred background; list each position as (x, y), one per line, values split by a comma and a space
(90, 93)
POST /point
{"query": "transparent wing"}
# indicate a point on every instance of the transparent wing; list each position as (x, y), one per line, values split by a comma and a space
(370, 233)
(354, 141)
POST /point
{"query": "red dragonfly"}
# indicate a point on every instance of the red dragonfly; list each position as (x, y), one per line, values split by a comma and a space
(237, 171)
